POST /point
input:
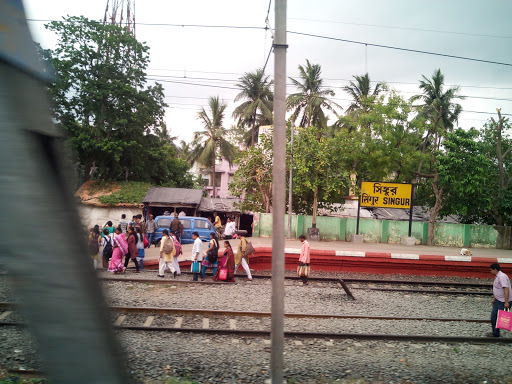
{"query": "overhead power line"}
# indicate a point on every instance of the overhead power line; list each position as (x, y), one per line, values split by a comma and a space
(318, 37)
(169, 24)
(398, 48)
(325, 86)
(404, 28)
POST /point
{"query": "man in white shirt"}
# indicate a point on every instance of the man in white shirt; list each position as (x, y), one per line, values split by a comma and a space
(230, 229)
(197, 254)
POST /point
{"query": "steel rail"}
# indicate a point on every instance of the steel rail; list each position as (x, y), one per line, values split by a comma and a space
(187, 282)
(341, 282)
(322, 335)
(430, 291)
(217, 312)
(314, 335)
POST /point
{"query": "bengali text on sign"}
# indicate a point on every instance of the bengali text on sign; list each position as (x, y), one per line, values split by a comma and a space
(385, 195)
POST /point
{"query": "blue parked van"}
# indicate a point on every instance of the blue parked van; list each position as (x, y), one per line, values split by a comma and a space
(201, 225)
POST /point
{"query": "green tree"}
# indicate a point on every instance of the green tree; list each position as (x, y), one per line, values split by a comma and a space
(256, 110)
(476, 171)
(101, 99)
(211, 143)
(253, 178)
(310, 101)
(384, 147)
(317, 171)
(467, 176)
(440, 112)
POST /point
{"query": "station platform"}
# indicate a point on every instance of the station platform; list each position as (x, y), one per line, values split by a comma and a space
(379, 258)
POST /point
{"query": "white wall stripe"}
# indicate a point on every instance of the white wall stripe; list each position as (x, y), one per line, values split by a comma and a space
(505, 260)
(408, 256)
(350, 253)
(292, 250)
(457, 258)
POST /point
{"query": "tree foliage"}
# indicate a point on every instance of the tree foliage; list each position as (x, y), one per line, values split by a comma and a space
(253, 179)
(111, 116)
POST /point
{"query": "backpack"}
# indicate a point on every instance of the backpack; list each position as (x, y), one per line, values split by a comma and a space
(213, 253)
(107, 249)
(168, 245)
(93, 245)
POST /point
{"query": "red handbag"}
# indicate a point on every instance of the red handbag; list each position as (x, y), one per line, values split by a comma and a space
(223, 274)
(146, 241)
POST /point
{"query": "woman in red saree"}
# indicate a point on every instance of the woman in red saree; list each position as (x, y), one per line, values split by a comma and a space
(226, 262)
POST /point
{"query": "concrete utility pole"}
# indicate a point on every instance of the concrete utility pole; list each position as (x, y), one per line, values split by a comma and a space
(278, 193)
(290, 185)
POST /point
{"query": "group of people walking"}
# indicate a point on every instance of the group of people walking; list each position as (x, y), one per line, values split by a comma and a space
(224, 266)
(127, 241)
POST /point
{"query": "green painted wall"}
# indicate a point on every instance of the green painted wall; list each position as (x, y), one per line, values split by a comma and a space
(451, 235)
(482, 236)
(396, 229)
(370, 229)
(376, 231)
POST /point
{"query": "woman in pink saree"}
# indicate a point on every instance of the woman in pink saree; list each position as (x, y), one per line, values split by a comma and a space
(227, 262)
(120, 249)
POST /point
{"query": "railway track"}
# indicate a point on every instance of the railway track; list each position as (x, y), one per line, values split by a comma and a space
(199, 321)
(348, 284)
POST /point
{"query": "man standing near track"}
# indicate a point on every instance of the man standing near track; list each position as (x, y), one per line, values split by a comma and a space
(501, 296)
(304, 259)
(197, 254)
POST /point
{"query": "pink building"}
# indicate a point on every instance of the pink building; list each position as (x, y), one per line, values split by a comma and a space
(223, 175)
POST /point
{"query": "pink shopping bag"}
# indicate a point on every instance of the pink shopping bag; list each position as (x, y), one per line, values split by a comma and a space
(504, 320)
(223, 274)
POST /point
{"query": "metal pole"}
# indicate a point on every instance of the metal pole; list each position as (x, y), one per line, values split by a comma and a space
(278, 194)
(290, 186)
(358, 209)
(410, 210)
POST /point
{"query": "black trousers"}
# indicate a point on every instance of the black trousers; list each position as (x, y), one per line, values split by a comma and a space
(127, 259)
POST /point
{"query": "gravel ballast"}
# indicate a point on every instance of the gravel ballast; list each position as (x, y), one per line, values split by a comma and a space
(205, 358)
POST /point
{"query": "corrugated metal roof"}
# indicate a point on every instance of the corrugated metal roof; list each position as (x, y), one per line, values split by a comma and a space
(218, 205)
(173, 196)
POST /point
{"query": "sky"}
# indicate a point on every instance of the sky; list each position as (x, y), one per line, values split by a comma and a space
(211, 60)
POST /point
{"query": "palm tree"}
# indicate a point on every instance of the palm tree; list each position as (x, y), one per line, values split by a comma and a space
(256, 110)
(360, 91)
(211, 143)
(310, 101)
(184, 149)
(439, 104)
(440, 110)
(311, 98)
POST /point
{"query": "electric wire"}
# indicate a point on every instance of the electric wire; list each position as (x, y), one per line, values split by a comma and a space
(318, 37)
(404, 28)
(399, 48)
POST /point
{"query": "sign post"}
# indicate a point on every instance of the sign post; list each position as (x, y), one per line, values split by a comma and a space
(385, 195)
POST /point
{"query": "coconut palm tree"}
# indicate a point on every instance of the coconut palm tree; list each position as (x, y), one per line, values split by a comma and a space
(211, 143)
(440, 110)
(310, 101)
(256, 110)
(360, 91)
(439, 104)
(312, 98)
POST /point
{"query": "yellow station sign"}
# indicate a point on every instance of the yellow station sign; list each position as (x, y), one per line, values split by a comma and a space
(385, 195)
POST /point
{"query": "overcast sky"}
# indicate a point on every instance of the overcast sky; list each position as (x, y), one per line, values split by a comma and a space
(217, 57)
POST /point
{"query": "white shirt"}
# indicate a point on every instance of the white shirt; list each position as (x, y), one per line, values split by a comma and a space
(197, 248)
(230, 228)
